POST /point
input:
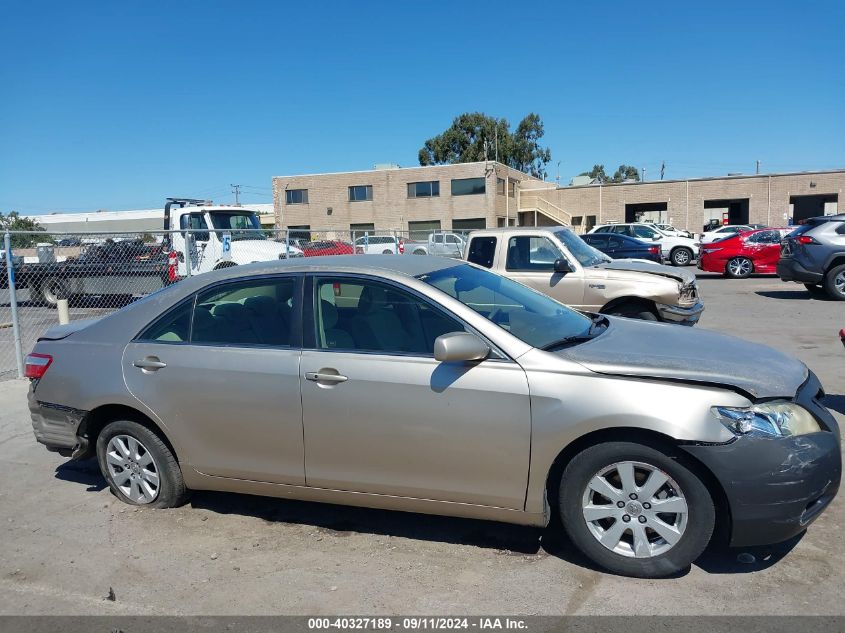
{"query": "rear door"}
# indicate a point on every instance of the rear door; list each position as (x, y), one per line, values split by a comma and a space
(221, 371)
(764, 249)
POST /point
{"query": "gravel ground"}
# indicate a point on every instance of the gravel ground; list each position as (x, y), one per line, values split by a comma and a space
(68, 543)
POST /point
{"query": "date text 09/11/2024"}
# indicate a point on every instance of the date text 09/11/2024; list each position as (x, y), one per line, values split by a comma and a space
(417, 623)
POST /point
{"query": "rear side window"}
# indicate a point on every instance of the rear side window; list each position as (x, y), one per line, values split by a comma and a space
(254, 312)
(615, 242)
(172, 327)
(482, 251)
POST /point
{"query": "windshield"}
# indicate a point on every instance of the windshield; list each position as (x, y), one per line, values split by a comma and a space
(585, 254)
(243, 226)
(530, 316)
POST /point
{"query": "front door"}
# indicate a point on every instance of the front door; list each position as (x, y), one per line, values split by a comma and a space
(530, 259)
(223, 376)
(382, 416)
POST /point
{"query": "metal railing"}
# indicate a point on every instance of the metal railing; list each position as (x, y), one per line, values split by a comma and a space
(51, 278)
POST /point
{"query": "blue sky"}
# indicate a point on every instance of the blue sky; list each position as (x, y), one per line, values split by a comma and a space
(117, 105)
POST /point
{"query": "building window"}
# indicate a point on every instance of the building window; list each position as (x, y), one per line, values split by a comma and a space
(469, 224)
(300, 232)
(296, 196)
(359, 193)
(577, 220)
(500, 186)
(468, 186)
(430, 189)
(511, 188)
(357, 230)
(591, 222)
(419, 231)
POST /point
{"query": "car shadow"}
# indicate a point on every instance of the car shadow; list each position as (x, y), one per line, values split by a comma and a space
(803, 295)
(835, 403)
(86, 472)
(720, 559)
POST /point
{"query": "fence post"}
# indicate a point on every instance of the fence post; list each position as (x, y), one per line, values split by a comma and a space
(13, 301)
(188, 235)
(287, 243)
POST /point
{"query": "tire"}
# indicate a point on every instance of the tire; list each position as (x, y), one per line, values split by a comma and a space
(739, 268)
(153, 456)
(50, 290)
(834, 282)
(420, 251)
(651, 555)
(816, 290)
(633, 310)
(387, 251)
(223, 265)
(680, 256)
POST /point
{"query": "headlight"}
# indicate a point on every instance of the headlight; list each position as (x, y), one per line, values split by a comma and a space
(781, 419)
(687, 293)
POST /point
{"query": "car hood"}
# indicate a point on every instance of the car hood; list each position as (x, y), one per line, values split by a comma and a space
(680, 274)
(629, 347)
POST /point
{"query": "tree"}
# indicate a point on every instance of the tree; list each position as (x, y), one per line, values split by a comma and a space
(623, 173)
(475, 136)
(14, 222)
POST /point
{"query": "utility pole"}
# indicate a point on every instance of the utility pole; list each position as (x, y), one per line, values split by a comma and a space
(236, 189)
(558, 174)
(758, 167)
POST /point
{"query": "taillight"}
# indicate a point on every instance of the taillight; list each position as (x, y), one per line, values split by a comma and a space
(805, 239)
(401, 246)
(36, 365)
(172, 266)
(654, 250)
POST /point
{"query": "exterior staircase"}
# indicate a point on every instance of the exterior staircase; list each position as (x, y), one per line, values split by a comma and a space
(533, 201)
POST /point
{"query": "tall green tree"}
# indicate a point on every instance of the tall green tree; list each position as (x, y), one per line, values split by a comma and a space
(15, 222)
(597, 173)
(475, 136)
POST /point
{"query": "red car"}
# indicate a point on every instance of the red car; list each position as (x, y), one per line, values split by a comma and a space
(740, 255)
(326, 247)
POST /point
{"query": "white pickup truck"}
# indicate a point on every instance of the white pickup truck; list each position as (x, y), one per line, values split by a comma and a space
(446, 244)
(213, 236)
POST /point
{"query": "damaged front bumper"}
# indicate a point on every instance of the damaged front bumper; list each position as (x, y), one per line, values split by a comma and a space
(777, 486)
(678, 314)
(56, 427)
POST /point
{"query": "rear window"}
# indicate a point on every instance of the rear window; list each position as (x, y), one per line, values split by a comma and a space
(482, 250)
(802, 229)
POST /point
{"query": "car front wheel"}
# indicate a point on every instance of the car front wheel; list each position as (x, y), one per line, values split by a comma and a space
(634, 510)
(739, 268)
(139, 467)
(681, 256)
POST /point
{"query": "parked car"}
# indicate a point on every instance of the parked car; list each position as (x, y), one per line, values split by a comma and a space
(723, 232)
(384, 244)
(740, 255)
(842, 336)
(681, 251)
(814, 254)
(326, 247)
(69, 241)
(668, 229)
(617, 246)
(514, 407)
(439, 243)
(559, 263)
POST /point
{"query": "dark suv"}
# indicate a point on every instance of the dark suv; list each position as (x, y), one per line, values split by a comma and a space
(814, 254)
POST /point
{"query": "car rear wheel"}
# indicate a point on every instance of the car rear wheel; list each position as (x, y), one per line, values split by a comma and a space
(139, 467)
(681, 256)
(739, 268)
(51, 290)
(634, 510)
(834, 282)
(387, 251)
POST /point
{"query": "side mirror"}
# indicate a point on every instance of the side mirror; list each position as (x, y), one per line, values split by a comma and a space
(562, 266)
(460, 346)
(656, 237)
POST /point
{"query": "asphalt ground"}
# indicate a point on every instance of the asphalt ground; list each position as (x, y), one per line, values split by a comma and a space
(68, 545)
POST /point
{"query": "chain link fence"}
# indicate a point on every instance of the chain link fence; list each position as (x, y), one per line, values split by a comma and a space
(50, 278)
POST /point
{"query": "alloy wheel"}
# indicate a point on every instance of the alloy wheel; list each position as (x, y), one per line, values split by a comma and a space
(133, 469)
(681, 257)
(635, 509)
(739, 267)
(839, 283)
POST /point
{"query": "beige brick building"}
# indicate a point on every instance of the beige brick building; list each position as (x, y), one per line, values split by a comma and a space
(488, 194)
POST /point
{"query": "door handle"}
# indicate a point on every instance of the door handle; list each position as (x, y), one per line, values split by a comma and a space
(150, 363)
(319, 377)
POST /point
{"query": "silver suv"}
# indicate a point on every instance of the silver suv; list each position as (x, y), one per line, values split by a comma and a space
(814, 254)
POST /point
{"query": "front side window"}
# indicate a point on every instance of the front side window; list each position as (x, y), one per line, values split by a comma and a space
(360, 193)
(296, 196)
(482, 251)
(531, 316)
(530, 253)
(468, 186)
(644, 231)
(370, 316)
(242, 226)
(430, 189)
(253, 312)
